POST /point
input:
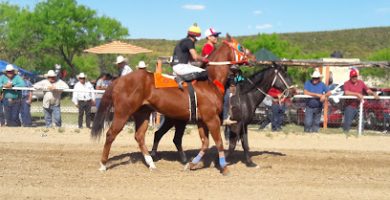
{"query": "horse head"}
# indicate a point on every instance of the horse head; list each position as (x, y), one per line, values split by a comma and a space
(282, 81)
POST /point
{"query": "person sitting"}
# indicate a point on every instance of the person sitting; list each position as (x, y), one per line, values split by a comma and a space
(185, 52)
(212, 39)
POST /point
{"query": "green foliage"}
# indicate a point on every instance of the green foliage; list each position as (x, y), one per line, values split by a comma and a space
(380, 55)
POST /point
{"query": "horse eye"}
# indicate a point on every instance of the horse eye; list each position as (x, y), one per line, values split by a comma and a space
(239, 47)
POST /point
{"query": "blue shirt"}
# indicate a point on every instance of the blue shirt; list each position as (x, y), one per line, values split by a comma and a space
(319, 88)
(17, 81)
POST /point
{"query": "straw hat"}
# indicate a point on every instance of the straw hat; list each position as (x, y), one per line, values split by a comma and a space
(82, 75)
(9, 68)
(51, 73)
(141, 65)
(120, 59)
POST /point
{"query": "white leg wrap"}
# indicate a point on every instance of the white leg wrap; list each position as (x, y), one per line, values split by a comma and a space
(102, 168)
(149, 161)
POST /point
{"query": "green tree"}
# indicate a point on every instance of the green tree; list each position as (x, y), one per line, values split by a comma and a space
(380, 55)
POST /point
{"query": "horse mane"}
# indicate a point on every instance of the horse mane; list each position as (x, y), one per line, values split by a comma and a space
(255, 78)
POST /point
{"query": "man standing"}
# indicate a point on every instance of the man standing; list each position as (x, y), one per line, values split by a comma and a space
(51, 99)
(12, 98)
(124, 69)
(25, 111)
(319, 91)
(354, 87)
(83, 98)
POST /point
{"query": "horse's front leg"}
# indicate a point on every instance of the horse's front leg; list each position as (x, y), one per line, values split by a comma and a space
(245, 146)
(204, 137)
(141, 124)
(215, 128)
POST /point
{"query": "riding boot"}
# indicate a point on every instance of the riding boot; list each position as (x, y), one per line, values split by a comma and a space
(179, 81)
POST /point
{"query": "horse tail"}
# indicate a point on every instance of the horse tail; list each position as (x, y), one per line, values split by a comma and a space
(103, 115)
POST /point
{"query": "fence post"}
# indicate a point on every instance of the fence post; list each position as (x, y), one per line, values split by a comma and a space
(360, 129)
(326, 106)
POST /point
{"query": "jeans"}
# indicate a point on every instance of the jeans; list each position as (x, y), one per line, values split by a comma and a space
(2, 115)
(226, 104)
(53, 112)
(349, 114)
(85, 107)
(268, 117)
(97, 102)
(277, 116)
(12, 110)
(312, 119)
(25, 113)
(386, 120)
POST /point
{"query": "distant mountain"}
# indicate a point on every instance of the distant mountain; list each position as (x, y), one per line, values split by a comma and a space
(353, 43)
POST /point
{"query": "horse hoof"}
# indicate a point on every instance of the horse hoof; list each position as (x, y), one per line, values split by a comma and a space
(152, 168)
(183, 158)
(252, 165)
(193, 166)
(102, 168)
(225, 171)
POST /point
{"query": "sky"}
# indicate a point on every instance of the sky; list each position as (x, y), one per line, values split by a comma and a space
(170, 19)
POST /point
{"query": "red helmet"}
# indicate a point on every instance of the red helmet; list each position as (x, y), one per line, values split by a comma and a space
(353, 73)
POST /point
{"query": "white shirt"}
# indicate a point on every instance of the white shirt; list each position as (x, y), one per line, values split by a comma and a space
(126, 69)
(78, 95)
(51, 98)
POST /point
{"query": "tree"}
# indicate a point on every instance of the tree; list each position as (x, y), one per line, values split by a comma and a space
(65, 28)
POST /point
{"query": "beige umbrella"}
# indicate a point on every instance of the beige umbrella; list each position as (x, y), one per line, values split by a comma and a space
(117, 47)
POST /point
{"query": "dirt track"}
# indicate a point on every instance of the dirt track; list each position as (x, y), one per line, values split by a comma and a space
(64, 166)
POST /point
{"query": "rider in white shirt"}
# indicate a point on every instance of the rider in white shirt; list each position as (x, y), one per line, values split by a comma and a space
(121, 62)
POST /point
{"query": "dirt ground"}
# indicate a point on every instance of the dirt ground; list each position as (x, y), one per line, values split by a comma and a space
(292, 166)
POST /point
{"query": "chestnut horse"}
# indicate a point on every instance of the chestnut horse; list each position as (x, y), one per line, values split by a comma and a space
(135, 93)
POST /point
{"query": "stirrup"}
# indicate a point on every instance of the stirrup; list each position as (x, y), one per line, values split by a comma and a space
(179, 82)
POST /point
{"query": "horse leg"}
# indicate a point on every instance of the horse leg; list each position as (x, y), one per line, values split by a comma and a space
(117, 125)
(203, 134)
(164, 128)
(233, 137)
(141, 123)
(245, 146)
(177, 140)
(214, 127)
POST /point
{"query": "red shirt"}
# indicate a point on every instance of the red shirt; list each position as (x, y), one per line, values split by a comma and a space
(359, 87)
(207, 49)
(273, 92)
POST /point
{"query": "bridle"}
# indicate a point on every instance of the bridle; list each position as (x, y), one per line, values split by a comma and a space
(285, 93)
(240, 54)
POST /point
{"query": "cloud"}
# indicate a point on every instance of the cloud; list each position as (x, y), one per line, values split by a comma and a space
(264, 26)
(383, 10)
(194, 7)
(257, 12)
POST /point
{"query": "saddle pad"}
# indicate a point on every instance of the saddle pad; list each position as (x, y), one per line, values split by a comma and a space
(165, 81)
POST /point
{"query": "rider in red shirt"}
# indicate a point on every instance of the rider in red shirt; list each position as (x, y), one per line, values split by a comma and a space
(212, 39)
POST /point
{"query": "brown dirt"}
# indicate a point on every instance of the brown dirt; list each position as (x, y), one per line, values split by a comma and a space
(292, 166)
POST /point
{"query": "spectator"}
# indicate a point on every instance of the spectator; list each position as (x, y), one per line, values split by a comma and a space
(53, 88)
(354, 87)
(83, 98)
(25, 111)
(124, 69)
(319, 91)
(268, 112)
(11, 98)
(2, 116)
(102, 84)
(142, 65)
(278, 108)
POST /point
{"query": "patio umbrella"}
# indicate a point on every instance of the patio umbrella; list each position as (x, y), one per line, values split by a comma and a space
(117, 47)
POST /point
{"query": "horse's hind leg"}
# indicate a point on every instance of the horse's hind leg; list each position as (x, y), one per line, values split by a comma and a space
(141, 123)
(117, 125)
(180, 126)
(164, 128)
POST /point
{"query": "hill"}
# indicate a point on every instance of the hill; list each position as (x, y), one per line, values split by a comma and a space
(353, 43)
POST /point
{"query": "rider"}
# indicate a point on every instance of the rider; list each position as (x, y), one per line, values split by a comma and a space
(184, 53)
(212, 39)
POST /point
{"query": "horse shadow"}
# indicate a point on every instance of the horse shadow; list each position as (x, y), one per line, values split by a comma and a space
(210, 159)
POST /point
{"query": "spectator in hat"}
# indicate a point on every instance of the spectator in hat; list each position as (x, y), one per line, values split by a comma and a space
(142, 65)
(354, 87)
(52, 87)
(11, 98)
(83, 98)
(124, 69)
(319, 92)
(25, 113)
(212, 39)
(2, 116)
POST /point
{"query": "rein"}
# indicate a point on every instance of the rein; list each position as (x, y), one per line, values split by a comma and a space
(240, 56)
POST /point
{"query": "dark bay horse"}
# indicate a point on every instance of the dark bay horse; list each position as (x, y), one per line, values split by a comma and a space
(249, 95)
(135, 95)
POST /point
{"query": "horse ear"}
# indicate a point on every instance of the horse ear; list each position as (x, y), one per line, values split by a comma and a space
(228, 38)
